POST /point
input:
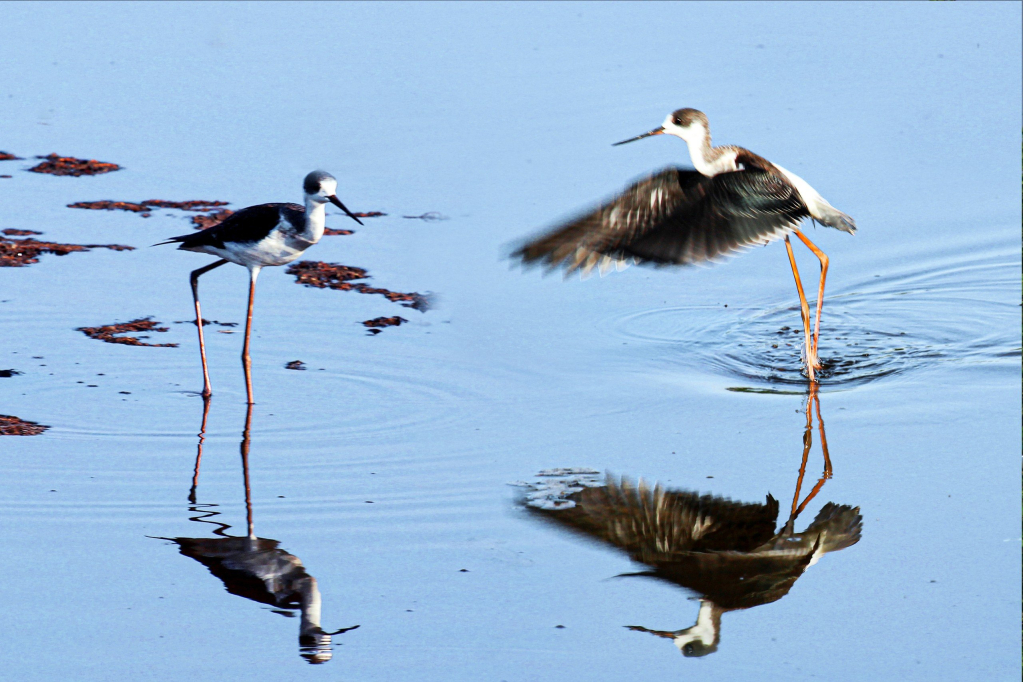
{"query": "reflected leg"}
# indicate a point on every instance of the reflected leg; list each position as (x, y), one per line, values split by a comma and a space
(207, 390)
(811, 359)
(246, 439)
(198, 455)
(246, 360)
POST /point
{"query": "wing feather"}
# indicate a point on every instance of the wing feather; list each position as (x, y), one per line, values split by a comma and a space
(247, 225)
(678, 217)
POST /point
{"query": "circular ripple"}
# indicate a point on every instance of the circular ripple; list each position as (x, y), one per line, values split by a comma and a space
(956, 310)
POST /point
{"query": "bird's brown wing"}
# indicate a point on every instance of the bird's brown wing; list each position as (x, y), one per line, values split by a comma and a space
(676, 216)
(652, 524)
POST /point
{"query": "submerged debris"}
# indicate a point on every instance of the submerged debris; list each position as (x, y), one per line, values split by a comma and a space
(295, 364)
(333, 276)
(68, 165)
(377, 323)
(332, 231)
(206, 323)
(428, 216)
(144, 324)
(7, 156)
(12, 426)
(20, 252)
(8, 373)
(12, 232)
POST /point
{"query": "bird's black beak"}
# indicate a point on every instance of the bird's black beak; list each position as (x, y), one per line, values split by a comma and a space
(337, 202)
(655, 131)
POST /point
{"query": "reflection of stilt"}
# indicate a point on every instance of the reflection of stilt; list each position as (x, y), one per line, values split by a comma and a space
(254, 567)
(727, 552)
(813, 406)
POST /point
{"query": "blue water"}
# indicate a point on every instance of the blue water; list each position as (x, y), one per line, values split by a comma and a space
(501, 117)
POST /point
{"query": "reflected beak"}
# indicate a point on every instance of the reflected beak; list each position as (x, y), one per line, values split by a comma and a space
(655, 131)
(337, 202)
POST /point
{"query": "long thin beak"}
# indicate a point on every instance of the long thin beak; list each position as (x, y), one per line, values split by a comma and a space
(655, 131)
(337, 202)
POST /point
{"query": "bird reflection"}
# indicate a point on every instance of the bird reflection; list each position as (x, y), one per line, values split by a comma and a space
(256, 568)
(727, 552)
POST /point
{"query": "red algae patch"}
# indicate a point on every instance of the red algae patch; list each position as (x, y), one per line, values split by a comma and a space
(20, 252)
(68, 165)
(201, 222)
(12, 426)
(332, 231)
(11, 232)
(145, 207)
(376, 324)
(7, 156)
(109, 333)
(333, 276)
(295, 364)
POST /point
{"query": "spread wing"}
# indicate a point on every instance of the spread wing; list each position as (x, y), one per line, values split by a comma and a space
(247, 225)
(678, 217)
(652, 525)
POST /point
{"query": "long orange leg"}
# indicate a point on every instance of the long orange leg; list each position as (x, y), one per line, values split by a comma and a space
(207, 390)
(246, 360)
(811, 357)
(823, 258)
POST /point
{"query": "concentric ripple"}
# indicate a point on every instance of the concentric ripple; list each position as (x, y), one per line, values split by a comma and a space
(957, 308)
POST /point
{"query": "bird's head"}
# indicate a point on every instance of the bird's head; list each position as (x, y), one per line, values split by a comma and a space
(688, 124)
(320, 187)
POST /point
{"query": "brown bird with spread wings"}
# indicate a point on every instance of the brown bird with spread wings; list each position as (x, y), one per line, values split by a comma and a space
(732, 200)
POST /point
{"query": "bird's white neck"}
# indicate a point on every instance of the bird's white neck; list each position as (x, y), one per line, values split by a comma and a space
(706, 159)
(315, 220)
(706, 629)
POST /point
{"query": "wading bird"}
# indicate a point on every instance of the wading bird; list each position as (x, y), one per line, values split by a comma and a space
(734, 199)
(258, 236)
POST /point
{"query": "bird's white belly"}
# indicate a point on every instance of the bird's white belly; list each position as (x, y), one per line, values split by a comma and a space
(275, 249)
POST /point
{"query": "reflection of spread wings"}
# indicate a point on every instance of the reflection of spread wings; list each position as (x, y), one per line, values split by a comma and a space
(652, 524)
(725, 550)
(676, 216)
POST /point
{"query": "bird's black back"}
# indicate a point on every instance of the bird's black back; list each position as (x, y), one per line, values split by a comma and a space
(677, 216)
(248, 225)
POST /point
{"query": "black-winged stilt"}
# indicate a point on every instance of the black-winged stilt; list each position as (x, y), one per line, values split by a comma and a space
(258, 236)
(733, 199)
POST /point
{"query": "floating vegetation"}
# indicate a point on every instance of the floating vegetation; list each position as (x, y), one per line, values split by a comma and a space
(110, 333)
(295, 364)
(16, 253)
(201, 222)
(7, 156)
(333, 276)
(148, 205)
(376, 324)
(13, 426)
(68, 165)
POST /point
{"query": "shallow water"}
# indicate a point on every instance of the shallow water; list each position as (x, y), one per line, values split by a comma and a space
(392, 467)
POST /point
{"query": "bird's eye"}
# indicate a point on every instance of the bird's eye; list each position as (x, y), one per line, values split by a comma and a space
(677, 121)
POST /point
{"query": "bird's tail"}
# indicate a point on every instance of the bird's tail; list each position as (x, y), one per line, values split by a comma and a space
(837, 526)
(172, 240)
(832, 217)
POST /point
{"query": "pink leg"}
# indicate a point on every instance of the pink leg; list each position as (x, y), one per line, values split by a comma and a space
(207, 390)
